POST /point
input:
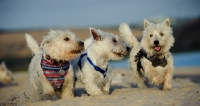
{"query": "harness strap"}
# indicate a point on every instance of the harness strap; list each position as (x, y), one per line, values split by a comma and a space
(155, 61)
(79, 62)
(55, 74)
(92, 64)
(138, 57)
(98, 68)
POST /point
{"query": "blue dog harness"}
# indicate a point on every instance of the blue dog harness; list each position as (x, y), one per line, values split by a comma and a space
(92, 64)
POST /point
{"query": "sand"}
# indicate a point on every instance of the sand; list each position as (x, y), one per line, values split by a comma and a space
(185, 92)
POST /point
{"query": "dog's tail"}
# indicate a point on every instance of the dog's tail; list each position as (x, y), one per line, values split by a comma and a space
(32, 44)
(127, 35)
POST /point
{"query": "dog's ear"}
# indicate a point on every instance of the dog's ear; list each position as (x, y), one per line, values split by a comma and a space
(167, 22)
(44, 43)
(146, 24)
(95, 34)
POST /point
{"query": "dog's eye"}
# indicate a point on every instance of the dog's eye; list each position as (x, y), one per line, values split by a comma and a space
(161, 34)
(66, 39)
(114, 40)
(151, 35)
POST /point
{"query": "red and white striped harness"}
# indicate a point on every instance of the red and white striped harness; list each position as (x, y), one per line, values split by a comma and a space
(55, 73)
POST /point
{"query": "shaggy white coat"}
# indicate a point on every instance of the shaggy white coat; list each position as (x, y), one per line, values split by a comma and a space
(161, 32)
(100, 48)
(59, 45)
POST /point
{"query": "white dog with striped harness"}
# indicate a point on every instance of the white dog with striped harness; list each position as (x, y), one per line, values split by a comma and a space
(51, 75)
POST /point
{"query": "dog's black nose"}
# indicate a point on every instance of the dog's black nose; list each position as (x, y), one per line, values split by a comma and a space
(128, 49)
(156, 42)
(81, 43)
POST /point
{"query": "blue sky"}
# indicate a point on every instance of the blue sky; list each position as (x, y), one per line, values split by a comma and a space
(28, 14)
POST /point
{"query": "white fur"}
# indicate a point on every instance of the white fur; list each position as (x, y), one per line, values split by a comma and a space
(57, 48)
(5, 74)
(155, 75)
(100, 48)
(127, 35)
(32, 44)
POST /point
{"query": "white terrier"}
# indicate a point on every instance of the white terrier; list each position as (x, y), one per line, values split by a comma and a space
(151, 60)
(51, 74)
(5, 74)
(92, 68)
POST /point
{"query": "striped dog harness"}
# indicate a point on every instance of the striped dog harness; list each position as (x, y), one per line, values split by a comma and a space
(55, 73)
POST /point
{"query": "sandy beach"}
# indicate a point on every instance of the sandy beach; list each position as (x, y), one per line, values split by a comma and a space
(186, 91)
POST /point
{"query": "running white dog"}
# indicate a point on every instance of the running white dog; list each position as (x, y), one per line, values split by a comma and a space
(51, 75)
(92, 68)
(151, 60)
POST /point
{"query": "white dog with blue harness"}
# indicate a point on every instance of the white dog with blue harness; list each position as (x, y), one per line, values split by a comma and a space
(92, 67)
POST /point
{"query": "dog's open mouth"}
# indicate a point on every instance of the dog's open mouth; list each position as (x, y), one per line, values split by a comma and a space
(157, 48)
(119, 54)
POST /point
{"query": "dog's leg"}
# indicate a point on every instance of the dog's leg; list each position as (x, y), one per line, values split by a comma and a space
(107, 83)
(68, 85)
(106, 86)
(37, 87)
(92, 84)
(168, 80)
(137, 79)
(40, 84)
(92, 89)
(47, 89)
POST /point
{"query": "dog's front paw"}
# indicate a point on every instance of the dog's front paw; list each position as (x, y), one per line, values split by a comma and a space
(96, 93)
(67, 96)
(158, 80)
(52, 97)
(167, 86)
(105, 92)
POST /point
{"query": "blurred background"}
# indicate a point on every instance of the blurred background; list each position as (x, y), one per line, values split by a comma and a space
(36, 17)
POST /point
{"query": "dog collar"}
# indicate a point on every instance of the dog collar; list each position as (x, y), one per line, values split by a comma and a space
(93, 65)
(55, 73)
(54, 61)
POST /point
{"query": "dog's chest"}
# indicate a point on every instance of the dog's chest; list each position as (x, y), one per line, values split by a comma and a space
(148, 66)
(149, 63)
(55, 74)
(155, 62)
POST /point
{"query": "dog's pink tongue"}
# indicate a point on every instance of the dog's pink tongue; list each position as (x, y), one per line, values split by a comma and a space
(157, 48)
